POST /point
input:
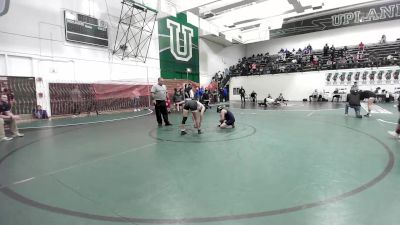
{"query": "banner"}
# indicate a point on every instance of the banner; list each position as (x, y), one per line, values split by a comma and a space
(21, 93)
(76, 98)
(363, 77)
(179, 51)
(386, 11)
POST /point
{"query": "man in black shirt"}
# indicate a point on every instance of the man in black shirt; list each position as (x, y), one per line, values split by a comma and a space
(6, 115)
(253, 96)
(242, 93)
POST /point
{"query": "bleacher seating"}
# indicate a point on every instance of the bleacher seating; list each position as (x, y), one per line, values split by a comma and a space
(374, 55)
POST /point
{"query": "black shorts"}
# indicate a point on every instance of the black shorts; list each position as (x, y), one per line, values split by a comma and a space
(190, 105)
(368, 94)
(230, 122)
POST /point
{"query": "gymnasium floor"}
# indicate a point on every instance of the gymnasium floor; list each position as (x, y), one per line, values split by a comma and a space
(303, 164)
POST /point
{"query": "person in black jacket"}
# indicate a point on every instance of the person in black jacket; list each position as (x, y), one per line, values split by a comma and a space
(353, 101)
(396, 133)
(242, 93)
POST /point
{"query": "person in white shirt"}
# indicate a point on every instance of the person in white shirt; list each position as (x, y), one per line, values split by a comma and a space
(159, 94)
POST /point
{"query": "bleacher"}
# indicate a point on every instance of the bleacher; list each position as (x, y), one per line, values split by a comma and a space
(374, 55)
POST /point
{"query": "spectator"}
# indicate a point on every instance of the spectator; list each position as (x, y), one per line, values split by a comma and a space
(226, 96)
(39, 113)
(309, 48)
(188, 91)
(326, 49)
(253, 96)
(336, 95)
(76, 98)
(280, 98)
(177, 97)
(333, 52)
(361, 47)
(215, 96)
(168, 104)
(6, 115)
(91, 102)
(345, 50)
(10, 95)
(383, 39)
(314, 61)
(315, 95)
(253, 68)
(221, 95)
(242, 93)
(197, 94)
(341, 52)
(329, 64)
(206, 99)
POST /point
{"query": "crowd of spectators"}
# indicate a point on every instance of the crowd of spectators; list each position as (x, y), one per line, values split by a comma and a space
(308, 59)
(204, 95)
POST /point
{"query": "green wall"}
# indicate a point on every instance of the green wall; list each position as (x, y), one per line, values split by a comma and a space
(178, 43)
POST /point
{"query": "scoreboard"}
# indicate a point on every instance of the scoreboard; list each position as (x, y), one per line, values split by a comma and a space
(85, 29)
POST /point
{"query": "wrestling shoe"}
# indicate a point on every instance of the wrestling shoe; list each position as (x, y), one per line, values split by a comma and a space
(18, 134)
(6, 139)
(394, 134)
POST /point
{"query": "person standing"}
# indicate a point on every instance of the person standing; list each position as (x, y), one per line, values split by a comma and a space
(221, 94)
(242, 93)
(7, 115)
(91, 101)
(253, 96)
(159, 94)
(353, 101)
(76, 98)
(396, 133)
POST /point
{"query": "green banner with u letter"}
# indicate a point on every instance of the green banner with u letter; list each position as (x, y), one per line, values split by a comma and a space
(179, 48)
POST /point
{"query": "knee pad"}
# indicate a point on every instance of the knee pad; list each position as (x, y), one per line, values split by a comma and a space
(184, 120)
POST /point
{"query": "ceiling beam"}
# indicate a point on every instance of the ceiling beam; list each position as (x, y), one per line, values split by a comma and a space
(297, 6)
(233, 6)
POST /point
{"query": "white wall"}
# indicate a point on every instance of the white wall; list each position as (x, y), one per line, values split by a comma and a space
(215, 57)
(296, 86)
(32, 43)
(369, 33)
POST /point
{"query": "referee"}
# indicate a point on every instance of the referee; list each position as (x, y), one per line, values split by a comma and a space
(159, 94)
